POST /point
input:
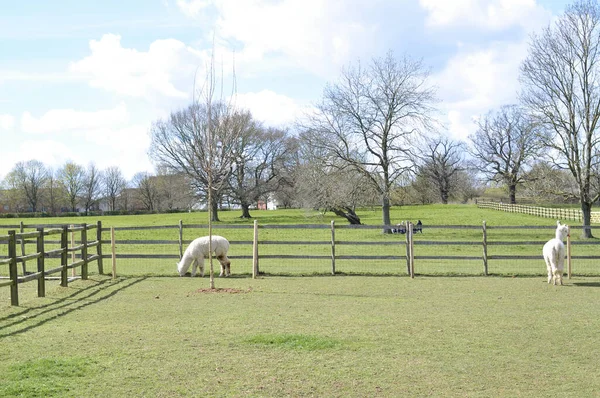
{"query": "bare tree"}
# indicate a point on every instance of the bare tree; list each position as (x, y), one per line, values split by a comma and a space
(549, 184)
(114, 185)
(55, 192)
(440, 161)
(503, 144)
(147, 190)
(367, 119)
(92, 187)
(318, 185)
(261, 155)
(72, 177)
(30, 177)
(182, 144)
(198, 141)
(561, 88)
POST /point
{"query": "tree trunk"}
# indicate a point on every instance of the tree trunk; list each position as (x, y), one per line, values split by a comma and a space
(385, 208)
(586, 211)
(245, 211)
(214, 216)
(348, 214)
(512, 193)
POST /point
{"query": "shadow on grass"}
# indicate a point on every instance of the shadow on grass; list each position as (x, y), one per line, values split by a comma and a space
(586, 284)
(31, 318)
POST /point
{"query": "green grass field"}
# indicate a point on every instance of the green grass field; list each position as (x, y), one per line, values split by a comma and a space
(344, 336)
(371, 331)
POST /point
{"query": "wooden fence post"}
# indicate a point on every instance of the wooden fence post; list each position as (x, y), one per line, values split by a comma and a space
(332, 247)
(485, 255)
(73, 257)
(99, 247)
(114, 252)
(40, 263)
(409, 232)
(255, 251)
(64, 256)
(180, 240)
(21, 230)
(569, 269)
(12, 266)
(84, 243)
(407, 248)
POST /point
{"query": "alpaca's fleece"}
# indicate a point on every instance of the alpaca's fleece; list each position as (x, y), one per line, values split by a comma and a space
(197, 251)
(554, 254)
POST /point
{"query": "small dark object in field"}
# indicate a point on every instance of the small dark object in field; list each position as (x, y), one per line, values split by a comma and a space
(418, 227)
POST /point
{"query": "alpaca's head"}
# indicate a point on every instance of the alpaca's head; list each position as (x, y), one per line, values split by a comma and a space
(181, 268)
(561, 231)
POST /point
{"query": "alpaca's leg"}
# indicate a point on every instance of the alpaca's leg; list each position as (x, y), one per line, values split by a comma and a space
(201, 264)
(194, 267)
(225, 265)
(549, 269)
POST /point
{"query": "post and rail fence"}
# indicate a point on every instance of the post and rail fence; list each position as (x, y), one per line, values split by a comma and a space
(546, 212)
(443, 249)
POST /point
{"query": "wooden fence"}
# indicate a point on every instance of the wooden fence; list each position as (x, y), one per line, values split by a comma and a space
(38, 238)
(547, 212)
(414, 253)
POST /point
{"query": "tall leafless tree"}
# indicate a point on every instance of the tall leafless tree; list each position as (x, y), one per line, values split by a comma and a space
(147, 191)
(72, 177)
(30, 177)
(261, 155)
(367, 120)
(440, 161)
(561, 88)
(92, 187)
(114, 185)
(54, 192)
(504, 143)
(199, 141)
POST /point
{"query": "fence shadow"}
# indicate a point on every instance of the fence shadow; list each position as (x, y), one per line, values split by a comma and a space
(586, 284)
(31, 318)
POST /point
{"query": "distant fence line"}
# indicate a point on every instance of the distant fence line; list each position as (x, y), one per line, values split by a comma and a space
(406, 241)
(547, 212)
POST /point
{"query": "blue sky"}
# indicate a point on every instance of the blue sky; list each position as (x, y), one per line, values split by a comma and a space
(83, 80)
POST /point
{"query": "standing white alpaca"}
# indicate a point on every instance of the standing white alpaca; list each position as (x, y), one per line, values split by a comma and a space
(554, 254)
(197, 251)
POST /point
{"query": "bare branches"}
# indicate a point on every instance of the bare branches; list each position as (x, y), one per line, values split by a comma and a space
(561, 80)
(505, 141)
(367, 119)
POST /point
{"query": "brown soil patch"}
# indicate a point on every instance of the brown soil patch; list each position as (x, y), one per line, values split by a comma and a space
(223, 290)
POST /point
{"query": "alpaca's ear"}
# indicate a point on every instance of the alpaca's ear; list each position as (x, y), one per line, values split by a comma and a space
(558, 223)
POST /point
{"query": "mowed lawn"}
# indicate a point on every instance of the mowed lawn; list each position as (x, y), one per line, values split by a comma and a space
(326, 336)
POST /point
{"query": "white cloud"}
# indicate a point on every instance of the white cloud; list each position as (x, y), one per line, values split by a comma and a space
(70, 120)
(106, 137)
(134, 73)
(488, 14)
(269, 107)
(7, 122)
(473, 83)
(315, 35)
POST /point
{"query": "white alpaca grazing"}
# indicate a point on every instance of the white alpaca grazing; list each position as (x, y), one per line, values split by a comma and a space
(197, 251)
(554, 254)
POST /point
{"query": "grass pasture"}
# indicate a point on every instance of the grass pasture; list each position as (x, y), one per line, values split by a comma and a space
(369, 332)
(343, 336)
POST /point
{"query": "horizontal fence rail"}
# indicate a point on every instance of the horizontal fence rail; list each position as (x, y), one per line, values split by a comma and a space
(292, 249)
(44, 255)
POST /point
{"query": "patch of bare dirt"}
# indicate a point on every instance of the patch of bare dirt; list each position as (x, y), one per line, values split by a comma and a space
(223, 290)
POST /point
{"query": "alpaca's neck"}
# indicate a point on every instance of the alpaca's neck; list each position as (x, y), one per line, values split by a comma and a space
(559, 235)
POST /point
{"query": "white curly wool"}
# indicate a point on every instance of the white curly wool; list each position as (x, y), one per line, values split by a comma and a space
(554, 254)
(197, 251)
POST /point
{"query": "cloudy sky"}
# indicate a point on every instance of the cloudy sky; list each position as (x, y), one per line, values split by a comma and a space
(83, 81)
